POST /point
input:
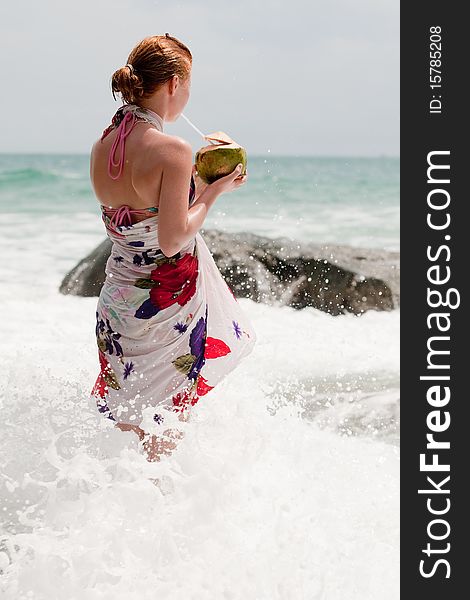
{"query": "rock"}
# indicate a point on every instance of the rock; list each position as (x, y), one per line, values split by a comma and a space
(87, 277)
(332, 278)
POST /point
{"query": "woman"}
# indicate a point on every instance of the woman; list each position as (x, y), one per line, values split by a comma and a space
(168, 326)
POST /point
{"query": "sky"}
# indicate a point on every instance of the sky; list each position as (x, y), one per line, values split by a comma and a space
(290, 77)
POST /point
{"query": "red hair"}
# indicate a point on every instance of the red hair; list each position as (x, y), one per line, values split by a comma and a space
(152, 62)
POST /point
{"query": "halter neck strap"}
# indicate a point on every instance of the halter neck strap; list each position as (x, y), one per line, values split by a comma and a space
(119, 142)
(128, 113)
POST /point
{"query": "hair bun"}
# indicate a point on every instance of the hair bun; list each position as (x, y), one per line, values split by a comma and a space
(127, 82)
(159, 58)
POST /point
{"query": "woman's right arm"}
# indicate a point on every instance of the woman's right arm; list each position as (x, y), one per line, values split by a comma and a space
(176, 224)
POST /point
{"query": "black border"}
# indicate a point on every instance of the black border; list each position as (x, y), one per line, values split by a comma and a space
(420, 133)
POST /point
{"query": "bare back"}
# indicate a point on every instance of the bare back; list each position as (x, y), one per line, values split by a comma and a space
(139, 185)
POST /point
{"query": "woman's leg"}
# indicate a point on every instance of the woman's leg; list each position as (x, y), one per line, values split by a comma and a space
(128, 427)
(155, 446)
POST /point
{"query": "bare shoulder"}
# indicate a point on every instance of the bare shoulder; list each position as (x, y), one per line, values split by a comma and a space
(171, 150)
(162, 160)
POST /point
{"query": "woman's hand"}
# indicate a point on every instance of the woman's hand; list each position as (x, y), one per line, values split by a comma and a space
(225, 184)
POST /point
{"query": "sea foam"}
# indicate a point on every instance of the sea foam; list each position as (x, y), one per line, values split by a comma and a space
(264, 503)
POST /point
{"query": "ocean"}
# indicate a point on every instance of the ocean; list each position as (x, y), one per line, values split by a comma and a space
(286, 485)
(338, 200)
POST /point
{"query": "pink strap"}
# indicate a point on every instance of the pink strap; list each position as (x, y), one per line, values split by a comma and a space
(122, 213)
(119, 142)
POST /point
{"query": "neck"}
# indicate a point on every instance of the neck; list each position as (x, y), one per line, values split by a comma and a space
(155, 117)
(148, 114)
(155, 105)
(154, 113)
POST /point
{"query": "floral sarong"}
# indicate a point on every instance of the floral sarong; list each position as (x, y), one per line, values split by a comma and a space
(168, 329)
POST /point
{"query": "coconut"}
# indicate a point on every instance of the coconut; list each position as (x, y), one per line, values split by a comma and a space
(219, 158)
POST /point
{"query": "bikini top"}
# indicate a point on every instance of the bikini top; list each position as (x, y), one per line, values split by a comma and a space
(129, 113)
